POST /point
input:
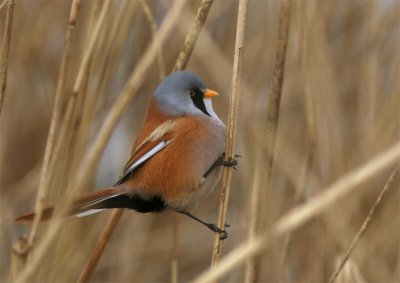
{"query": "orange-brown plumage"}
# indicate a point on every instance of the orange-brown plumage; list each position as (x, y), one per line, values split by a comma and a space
(180, 173)
(172, 164)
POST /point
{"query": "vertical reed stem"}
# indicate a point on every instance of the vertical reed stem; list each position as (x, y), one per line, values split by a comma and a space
(274, 99)
(5, 50)
(44, 176)
(310, 120)
(231, 131)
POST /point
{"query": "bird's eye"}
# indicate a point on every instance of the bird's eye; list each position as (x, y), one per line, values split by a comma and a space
(191, 93)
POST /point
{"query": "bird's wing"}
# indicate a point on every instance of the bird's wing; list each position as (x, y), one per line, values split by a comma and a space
(154, 143)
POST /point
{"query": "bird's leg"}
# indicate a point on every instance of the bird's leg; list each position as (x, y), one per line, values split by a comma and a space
(222, 162)
(222, 233)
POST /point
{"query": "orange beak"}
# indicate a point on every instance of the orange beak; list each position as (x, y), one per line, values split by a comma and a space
(210, 93)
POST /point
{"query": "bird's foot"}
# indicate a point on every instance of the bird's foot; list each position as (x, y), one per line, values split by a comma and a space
(222, 233)
(232, 162)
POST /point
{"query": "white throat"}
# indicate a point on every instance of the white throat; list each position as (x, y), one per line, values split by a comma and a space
(210, 110)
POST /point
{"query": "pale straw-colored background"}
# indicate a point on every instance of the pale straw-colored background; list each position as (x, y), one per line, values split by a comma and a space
(351, 71)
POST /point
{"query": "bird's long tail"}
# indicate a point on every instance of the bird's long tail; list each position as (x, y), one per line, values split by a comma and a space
(88, 204)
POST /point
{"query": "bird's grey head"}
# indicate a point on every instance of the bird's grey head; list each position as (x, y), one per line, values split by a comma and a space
(183, 93)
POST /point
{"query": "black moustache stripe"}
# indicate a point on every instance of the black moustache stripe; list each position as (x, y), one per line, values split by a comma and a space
(198, 101)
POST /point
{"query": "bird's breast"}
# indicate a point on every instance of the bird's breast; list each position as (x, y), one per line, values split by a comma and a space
(176, 173)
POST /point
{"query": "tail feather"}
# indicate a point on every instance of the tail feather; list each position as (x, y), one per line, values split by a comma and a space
(113, 197)
(87, 204)
(27, 218)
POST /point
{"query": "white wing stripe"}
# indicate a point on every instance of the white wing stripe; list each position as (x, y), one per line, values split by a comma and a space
(93, 202)
(146, 156)
(89, 212)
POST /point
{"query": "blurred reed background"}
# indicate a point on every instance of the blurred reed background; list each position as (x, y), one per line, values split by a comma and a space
(340, 107)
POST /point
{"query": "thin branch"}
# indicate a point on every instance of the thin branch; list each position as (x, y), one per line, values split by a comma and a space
(87, 98)
(78, 97)
(100, 245)
(192, 35)
(365, 224)
(301, 214)
(153, 29)
(231, 131)
(89, 49)
(274, 99)
(44, 176)
(63, 134)
(5, 49)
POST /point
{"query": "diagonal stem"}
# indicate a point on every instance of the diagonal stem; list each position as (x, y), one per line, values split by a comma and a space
(365, 224)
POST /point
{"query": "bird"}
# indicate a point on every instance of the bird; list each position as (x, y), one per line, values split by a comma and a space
(176, 160)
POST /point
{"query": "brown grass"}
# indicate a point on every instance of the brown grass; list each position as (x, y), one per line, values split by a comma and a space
(339, 110)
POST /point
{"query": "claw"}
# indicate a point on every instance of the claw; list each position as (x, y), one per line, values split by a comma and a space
(230, 163)
(222, 233)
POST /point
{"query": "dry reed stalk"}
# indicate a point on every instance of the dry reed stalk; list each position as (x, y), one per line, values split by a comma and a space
(153, 29)
(299, 215)
(5, 49)
(193, 34)
(77, 86)
(365, 224)
(65, 136)
(126, 11)
(19, 256)
(62, 135)
(181, 61)
(100, 246)
(42, 191)
(78, 99)
(44, 176)
(231, 130)
(310, 123)
(274, 99)
(91, 45)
